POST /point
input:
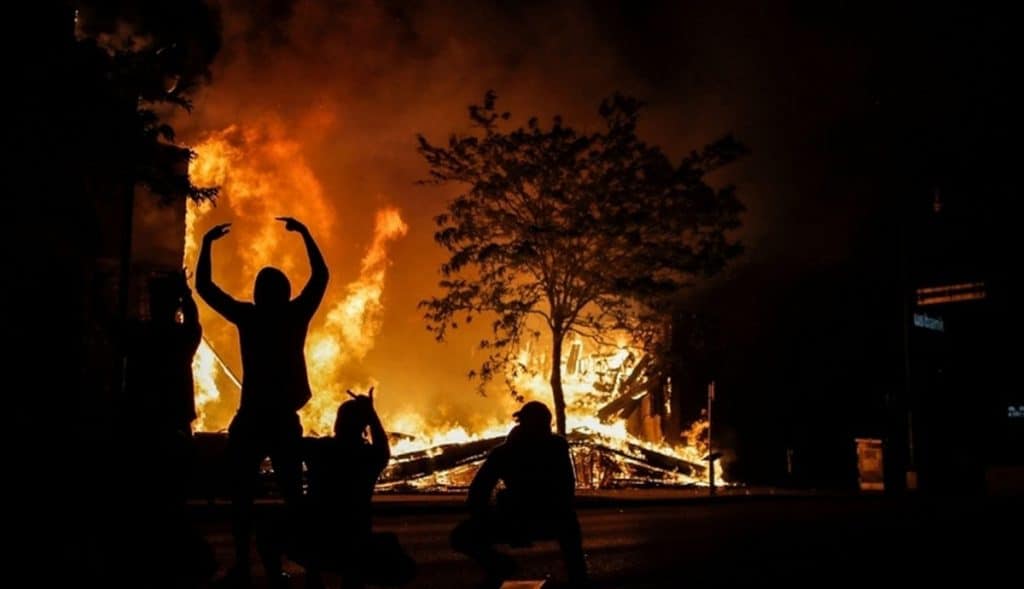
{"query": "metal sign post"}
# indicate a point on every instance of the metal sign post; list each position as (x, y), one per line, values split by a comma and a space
(711, 453)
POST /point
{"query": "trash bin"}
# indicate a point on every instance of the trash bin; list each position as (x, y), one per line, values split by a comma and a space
(869, 464)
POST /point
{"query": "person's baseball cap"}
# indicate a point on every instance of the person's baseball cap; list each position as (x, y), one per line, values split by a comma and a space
(533, 412)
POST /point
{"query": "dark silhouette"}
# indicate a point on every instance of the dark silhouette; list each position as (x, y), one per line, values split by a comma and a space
(158, 409)
(342, 473)
(92, 127)
(272, 331)
(536, 504)
(160, 352)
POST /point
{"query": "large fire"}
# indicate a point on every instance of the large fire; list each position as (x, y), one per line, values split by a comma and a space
(263, 173)
(258, 169)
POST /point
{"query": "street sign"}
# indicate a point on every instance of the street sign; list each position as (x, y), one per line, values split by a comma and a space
(926, 322)
(951, 293)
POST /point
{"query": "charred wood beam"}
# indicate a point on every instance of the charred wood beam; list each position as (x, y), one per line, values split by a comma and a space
(632, 390)
(624, 404)
(439, 458)
(639, 453)
(637, 372)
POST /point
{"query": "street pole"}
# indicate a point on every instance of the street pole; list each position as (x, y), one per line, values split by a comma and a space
(908, 404)
(711, 454)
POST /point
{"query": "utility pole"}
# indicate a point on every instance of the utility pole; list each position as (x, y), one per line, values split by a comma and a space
(711, 453)
(908, 404)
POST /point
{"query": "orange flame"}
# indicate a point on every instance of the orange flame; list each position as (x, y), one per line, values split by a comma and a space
(351, 326)
(263, 173)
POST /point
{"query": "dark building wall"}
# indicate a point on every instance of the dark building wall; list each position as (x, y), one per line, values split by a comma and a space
(960, 380)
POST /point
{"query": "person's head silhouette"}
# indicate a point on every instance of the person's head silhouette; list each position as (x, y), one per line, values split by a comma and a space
(534, 419)
(272, 288)
(353, 417)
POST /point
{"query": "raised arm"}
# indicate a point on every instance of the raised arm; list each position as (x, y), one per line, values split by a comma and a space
(218, 300)
(378, 437)
(311, 295)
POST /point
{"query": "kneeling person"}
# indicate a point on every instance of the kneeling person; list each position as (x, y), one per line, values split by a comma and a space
(536, 504)
(342, 473)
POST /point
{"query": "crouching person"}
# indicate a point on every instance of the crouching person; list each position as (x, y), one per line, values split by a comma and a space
(536, 504)
(342, 472)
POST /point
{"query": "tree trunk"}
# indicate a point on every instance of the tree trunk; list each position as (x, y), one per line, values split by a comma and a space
(556, 380)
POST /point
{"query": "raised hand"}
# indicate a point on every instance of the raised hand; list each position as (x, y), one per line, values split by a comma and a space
(293, 224)
(217, 232)
(367, 398)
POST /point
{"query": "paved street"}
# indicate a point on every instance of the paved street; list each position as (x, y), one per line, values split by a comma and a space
(657, 541)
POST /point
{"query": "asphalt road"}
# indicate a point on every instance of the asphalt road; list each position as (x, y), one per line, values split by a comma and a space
(742, 542)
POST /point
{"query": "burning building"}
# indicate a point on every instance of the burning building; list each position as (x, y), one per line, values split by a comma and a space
(615, 433)
(615, 409)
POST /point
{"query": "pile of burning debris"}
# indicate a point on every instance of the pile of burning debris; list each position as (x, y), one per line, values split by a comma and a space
(615, 437)
(615, 389)
(600, 462)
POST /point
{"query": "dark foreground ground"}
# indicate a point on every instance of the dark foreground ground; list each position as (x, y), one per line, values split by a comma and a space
(644, 540)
